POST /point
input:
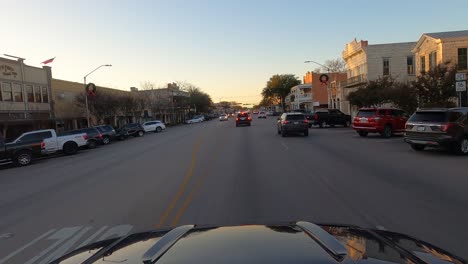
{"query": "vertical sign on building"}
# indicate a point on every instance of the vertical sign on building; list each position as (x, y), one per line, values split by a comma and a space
(460, 85)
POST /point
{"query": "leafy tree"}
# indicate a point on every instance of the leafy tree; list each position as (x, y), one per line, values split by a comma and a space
(279, 86)
(375, 93)
(436, 88)
(199, 99)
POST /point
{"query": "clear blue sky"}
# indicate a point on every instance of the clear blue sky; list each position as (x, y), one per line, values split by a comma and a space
(228, 48)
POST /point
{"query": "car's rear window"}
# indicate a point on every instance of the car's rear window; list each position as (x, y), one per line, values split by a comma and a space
(243, 115)
(295, 117)
(436, 116)
(366, 113)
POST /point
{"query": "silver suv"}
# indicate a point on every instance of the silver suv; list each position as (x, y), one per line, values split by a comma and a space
(293, 123)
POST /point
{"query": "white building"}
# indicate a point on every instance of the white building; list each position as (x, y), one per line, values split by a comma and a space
(369, 62)
(300, 97)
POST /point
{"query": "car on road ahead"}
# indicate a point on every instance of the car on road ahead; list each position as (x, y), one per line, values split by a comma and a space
(292, 123)
(243, 118)
(154, 126)
(293, 242)
(385, 121)
(132, 129)
(108, 133)
(223, 117)
(262, 114)
(445, 128)
(331, 117)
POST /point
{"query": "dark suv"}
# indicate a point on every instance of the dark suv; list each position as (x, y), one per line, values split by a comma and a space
(293, 123)
(243, 119)
(446, 128)
(108, 133)
(94, 136)
(132, 129)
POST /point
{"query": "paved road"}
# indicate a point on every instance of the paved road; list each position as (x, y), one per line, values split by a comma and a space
(214, 173)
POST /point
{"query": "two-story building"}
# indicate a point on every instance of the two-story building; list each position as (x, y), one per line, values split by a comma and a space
(300, 97)
(366, 62)
(24, 98)
(438, 48)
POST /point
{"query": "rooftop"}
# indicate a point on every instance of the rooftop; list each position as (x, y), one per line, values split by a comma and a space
(449, 34)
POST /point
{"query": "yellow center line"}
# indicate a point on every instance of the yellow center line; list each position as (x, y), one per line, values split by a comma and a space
(189, 198)
(182, 187)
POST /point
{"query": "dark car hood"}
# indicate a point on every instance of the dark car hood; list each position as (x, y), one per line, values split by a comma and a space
(283, 243)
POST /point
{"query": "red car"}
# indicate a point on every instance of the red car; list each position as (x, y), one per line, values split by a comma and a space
(243, 118)
(385, 121)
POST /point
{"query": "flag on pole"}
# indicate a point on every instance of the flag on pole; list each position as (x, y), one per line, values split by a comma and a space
(48, 61)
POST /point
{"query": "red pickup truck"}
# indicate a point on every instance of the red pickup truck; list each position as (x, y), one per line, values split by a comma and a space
(385, 121)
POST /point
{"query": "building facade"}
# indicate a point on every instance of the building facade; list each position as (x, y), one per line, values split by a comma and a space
(366, 62)
(25, 102)
(325, 95)
(438, 48)
(300, 97)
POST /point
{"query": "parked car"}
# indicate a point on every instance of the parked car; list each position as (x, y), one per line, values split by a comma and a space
(293, 242)
(128, 130)
(270, 113)
(94, 136)
(154, 126)
(108, 133)
(444, 128)
(262, 114)
(223, 117)
(331, 117)
(22, 152)
(385, 121)
(195, 119)
(68, 144)
(243, 119)
(292, 123)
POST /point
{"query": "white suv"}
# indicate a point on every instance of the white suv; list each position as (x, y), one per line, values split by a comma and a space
(154, 126)
(262, 115)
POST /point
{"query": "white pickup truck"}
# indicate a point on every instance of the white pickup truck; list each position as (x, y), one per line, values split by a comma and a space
(53, 143)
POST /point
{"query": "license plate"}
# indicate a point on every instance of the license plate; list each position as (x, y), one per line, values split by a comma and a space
(364, 120)
(421, 128)
(296, 123)
(242, 118)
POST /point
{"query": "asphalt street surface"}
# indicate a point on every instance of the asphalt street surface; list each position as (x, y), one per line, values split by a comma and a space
(215, 173)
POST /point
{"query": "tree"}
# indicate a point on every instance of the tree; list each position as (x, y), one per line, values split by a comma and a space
(375, 93)
(201, 100)
(279, 86)
(334, 65)
(436, 88)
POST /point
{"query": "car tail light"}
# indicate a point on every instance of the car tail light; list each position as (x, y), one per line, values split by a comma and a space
(42, 145)
(100, 136)
(306, 121)
(316, 117)
(85, 137)
(375, 119)
(237, 119)
(285, 122)
(249, 118)
(447, 127)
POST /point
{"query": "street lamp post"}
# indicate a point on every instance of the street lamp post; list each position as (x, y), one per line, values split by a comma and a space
(86, 94)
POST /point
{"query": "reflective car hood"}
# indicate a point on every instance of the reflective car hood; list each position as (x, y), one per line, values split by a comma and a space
(282, 243)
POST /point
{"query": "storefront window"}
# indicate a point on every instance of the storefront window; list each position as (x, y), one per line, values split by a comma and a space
(17, 93)
(45, 96)
(37, 94)
(29, 93)
(6, 92)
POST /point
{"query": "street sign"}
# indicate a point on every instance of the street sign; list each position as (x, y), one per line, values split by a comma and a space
(460, 86)
(460, 76)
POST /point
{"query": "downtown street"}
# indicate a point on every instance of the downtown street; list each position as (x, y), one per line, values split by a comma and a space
(215, 173)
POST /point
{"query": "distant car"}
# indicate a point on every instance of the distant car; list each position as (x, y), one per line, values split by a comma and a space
(262, 115)
(292, 123)
(108, 133)
(132, 129)
(195, 119)
(154, 126)
(270, 113)
(223, 117)
(94, 136)
(441, 128)
(331, 117)
(385, 121)
(255, 112)
(243, 119)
